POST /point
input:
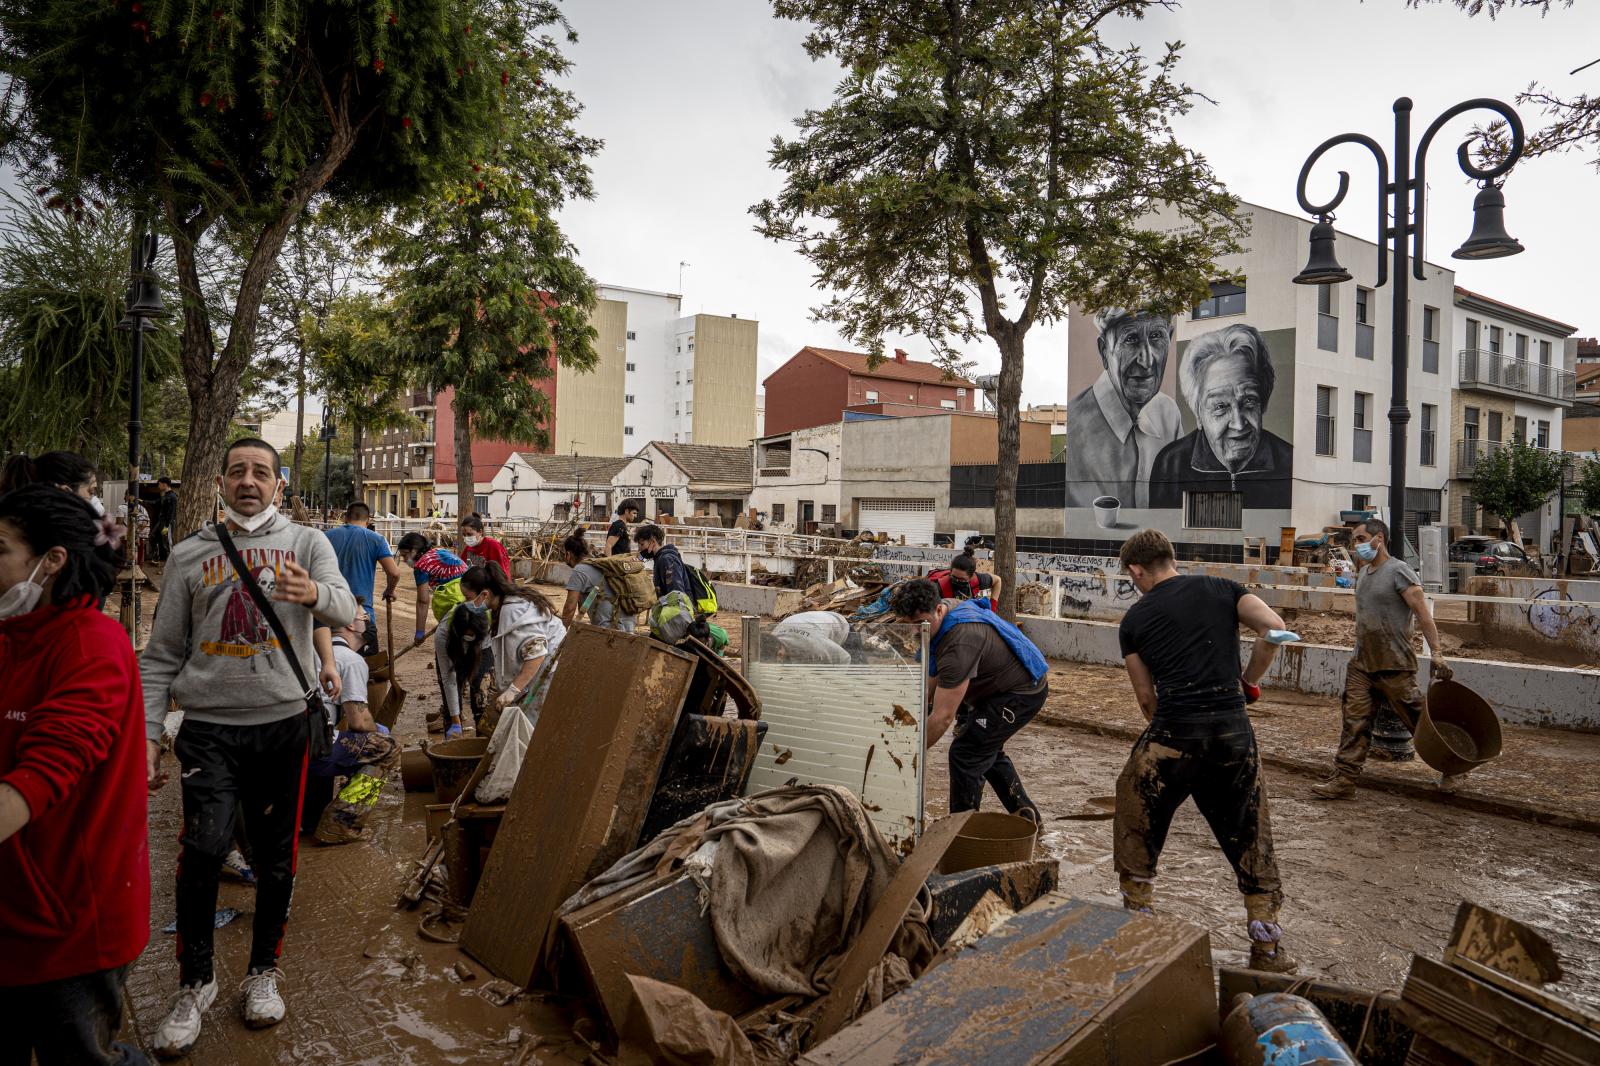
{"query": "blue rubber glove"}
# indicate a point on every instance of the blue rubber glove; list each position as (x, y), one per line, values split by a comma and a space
(416, 638)
(454, 732)
(1282, 636)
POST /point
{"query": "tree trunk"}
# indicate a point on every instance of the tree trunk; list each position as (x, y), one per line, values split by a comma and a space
(297, 485)
(465, 485)
(1009, 417)
(356, 482)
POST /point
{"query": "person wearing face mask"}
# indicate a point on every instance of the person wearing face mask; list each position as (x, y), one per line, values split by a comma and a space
(437, 572)
(74, 852)
(526, 630)
(243, 745)
(667, 569)
(1389, 601)
(479, 549)
(1180, 643)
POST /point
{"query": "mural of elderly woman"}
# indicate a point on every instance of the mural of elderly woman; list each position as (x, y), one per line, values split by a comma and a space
(1226, 378)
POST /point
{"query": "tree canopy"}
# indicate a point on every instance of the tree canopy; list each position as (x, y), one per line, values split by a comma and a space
(1511, 481)
(985, 165)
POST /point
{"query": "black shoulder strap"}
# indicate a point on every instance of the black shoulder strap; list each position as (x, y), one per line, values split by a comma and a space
(263, 605)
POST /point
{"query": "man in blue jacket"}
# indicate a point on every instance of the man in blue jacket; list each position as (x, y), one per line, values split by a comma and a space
(990, 683)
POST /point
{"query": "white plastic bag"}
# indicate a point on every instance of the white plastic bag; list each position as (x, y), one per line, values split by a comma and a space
(508, 746)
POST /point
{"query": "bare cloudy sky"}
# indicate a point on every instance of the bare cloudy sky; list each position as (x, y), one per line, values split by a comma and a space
(688, 94)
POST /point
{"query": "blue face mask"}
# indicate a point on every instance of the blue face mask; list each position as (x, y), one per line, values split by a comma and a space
(1367, 552)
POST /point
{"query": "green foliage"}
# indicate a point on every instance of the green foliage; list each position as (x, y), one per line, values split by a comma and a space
(359, 366)
(488, 290)
(1493, 8)
(1518, 478)
(1586, 486)
(65, 369)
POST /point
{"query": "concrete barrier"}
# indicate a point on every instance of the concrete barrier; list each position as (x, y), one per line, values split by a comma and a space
(739, 598)
(1549, 616)
(1550, 696)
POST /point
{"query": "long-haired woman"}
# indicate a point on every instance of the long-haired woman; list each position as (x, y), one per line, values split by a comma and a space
(526, 629)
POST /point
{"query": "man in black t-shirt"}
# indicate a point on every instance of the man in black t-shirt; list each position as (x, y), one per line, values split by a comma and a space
(617, 532)
(1180, 642)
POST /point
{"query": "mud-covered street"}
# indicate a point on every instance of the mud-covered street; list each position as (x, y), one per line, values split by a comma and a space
(1368, 882)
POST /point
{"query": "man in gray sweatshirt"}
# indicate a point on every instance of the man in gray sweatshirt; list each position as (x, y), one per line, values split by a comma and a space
(244, 739)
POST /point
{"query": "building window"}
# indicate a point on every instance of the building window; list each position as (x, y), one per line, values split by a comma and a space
(1213, 510)
(1361, 450)
(1327, 411)
(1472, 334)
(948, 405)
(632, 367)
(1543, 439)
(777, 512)
(961, 392)
(479, 503)
(1360, 502)
(1496, 426)
(677, 410)
(688, 407)
(1364, 330)
(1522, 346)
(689, 378)
(1496, 337)
(830, 513)
(1519, 428)
(1225, 299)
(1363, 306)
(1430, 340)
(628, 398)
(691, 345)
(872, 397)
(1327, 319)
(632, 336)
(627, 431)
(677, 378)
(1544, 353)
(1429, 434)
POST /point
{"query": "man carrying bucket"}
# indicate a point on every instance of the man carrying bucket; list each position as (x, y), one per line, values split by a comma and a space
(991, 674)
(1388, 597)
(1180, 642)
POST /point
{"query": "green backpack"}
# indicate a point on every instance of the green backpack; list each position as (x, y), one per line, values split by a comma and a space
(627, 582)
(705, 596)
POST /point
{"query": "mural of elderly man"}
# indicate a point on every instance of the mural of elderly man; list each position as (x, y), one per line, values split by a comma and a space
(1117, 426)
(1226, 378)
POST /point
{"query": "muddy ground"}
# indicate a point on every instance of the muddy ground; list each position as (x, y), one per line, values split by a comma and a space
(1368, 882)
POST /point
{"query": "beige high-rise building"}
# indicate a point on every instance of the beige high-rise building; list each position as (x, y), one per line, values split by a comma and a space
(660, 375)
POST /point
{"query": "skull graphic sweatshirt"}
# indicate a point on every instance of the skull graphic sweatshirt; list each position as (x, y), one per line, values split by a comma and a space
(213, 652)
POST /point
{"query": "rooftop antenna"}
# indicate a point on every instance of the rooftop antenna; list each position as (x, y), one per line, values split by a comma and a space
(681, 265)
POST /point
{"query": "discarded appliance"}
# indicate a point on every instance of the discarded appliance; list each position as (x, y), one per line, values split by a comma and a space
(857, 725)
(1281, 1029)
(582, 796)
(709, 760)
(1368, 1021)
(1064, 981)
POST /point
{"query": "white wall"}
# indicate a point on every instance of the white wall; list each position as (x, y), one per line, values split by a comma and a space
(652, 321)
(810, 477)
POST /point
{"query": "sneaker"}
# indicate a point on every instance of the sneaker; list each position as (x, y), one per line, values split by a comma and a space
(1338, 787)
(262, 1004)
(181, 1028)
(1449, 783)
(235, 868)
(1271, 958)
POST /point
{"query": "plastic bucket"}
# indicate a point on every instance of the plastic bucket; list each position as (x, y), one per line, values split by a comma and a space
(1458, 730)
(988, 839)
(453, 762)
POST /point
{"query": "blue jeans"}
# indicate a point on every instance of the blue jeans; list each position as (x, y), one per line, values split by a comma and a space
(70, 1022)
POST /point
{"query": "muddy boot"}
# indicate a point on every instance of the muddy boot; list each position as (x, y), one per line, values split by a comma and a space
(1337, 787)
(1138, 895)
(1450, 783)
(1271, 958)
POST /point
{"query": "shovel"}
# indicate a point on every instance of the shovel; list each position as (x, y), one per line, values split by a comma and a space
(394, 699)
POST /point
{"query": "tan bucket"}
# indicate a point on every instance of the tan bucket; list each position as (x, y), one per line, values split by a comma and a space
(990, 838)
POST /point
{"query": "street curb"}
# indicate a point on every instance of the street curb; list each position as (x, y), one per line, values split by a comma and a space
(1480, 803)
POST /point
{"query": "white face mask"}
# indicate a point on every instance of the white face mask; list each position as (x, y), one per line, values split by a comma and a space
(96, 506)
(22, 598)
(473, 539)
(253, 522)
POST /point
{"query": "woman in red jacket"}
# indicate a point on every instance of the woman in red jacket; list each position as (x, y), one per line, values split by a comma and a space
(75, 887)
(478, 549)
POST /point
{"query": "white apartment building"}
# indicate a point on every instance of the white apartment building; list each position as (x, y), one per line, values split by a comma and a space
(798, 478)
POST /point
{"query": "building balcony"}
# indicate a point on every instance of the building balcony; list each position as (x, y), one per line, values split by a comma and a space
(1468, 452)
(1506, 374)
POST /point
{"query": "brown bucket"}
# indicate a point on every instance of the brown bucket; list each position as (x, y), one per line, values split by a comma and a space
(416, 770)
(453, 762)
(990, 838)
(1458, 730)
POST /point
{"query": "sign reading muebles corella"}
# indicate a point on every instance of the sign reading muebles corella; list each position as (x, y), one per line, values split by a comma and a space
(1190, 433)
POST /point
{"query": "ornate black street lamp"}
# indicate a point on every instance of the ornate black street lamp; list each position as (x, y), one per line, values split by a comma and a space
(143, 304)
(1404, 200)
(326, 435)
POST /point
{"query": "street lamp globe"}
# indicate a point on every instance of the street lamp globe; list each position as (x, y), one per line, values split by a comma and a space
(1322, 266)
(1489, 239)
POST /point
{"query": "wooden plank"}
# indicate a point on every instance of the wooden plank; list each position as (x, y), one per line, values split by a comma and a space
(883, 923)
(1487, 1024)
(1514, 956)
(581, 797)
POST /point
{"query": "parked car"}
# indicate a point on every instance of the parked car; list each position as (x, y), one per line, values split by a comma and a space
(1491, 556)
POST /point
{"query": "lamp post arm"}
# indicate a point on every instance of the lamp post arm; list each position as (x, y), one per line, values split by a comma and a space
(1464, 157)
(1344, 187)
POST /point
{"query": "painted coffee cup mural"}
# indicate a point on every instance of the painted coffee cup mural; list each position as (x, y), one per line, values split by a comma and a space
(1179, 424)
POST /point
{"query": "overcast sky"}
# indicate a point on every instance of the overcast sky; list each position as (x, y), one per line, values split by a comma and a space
(687, 95)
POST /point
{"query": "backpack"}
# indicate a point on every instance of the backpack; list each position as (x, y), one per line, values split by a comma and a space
(705, 596)
(627, 582)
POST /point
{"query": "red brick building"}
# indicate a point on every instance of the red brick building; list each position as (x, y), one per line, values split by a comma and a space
(816, 385)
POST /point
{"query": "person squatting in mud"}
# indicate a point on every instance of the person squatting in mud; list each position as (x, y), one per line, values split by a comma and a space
(363, 752)
(1384, 667)
(244, 742)
(1180, 642)
(991, 683)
